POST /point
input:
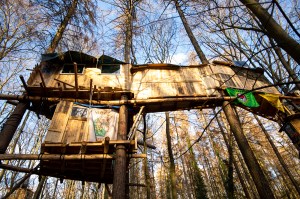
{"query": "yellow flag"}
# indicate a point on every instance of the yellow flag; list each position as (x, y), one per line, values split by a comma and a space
(273, 99)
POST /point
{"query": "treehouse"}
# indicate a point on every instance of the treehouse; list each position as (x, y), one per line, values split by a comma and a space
(82, 94)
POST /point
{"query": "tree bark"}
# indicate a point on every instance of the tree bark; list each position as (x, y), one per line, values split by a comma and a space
(145, 162)
(275, 31)
(229, 144)
(14, 144)
(256, 172)
(119, 182)
(172, 161)
(62, 27)
(190, 34)
(11, 125)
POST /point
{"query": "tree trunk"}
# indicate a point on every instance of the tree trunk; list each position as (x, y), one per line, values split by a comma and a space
(185, 179)
(217, 156)
(39, 188)
(145, 162)
(282, 162)
(172, 162)
(197, 179)
(119, 182)
(275, 31)
(12, 150)
(229, 144)
(11, 125)
(214, 184)
(285, 64)
(190, 34)
(256, 172)
(62, 27)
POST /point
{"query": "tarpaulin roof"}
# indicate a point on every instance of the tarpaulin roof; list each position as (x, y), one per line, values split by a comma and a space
(78, 57)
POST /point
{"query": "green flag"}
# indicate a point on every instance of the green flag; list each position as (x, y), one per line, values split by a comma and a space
(247, 99)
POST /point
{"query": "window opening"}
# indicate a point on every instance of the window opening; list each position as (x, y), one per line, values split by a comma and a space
(69, 68)
(110, 69)
(79, 112)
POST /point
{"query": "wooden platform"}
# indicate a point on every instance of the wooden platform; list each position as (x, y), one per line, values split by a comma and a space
(106, 93)
(96, 169)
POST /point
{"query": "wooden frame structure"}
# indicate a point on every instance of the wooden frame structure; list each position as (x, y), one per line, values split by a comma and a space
(67, 153)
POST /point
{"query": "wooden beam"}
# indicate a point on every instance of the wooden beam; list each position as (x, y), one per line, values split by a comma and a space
(132, 101)
(105, 151)
(14, 168)
(106, 145)
(42, 78)
(133, 129)
(76, 78)
(91, 90)
(64, 157)
(118, 102)
(24, 83)
(64, 83)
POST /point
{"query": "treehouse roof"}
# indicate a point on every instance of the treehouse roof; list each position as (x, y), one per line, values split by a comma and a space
(79, 57)
(166, 66)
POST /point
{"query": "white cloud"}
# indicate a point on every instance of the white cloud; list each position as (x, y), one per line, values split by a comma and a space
(179, 59)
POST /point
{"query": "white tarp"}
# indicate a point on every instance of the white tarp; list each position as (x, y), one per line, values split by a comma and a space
(103, 123)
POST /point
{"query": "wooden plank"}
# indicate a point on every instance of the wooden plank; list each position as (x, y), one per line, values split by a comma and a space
(83, 132)
(72, 131)
(59, 122)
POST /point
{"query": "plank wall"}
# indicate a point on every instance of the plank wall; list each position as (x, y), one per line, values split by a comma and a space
(52, 73)
(195, 81)
(157, 82)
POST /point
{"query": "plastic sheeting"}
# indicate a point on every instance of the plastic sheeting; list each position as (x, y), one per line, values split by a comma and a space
(103, 123)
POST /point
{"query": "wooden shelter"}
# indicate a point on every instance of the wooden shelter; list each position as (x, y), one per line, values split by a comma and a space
(68, 87)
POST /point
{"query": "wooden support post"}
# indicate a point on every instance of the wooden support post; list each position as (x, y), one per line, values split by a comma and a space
(24, 83)
(42, 78)
(119, 182)
(255, 170)
(106, 145)
(11, 125)
(76, 78)
(91, 89)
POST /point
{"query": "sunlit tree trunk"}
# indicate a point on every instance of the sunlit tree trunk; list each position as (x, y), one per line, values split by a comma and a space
(229, 144)
(171, 158)
(281, 160)
(274, 30)
(190, 34)
(197, 179)
(256, 172)
(145, 162)
(185, 175)
(39, 189)
(62, 27)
